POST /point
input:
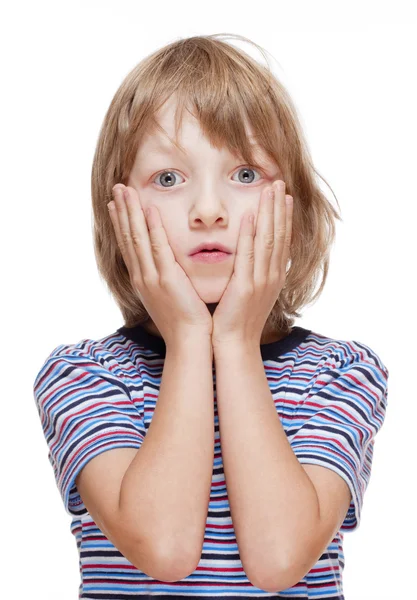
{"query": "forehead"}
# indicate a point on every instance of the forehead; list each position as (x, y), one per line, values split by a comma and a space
(157, 141)
(162, 135)
(159, 145)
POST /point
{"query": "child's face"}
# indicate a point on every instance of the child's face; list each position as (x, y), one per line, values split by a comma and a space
(203, 200)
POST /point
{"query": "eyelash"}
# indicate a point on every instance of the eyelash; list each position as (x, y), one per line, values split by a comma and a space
(251, 168)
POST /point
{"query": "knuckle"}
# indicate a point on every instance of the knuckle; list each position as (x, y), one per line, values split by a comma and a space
(156, 246)
(251, 255)
(148, 281)
(261, 281)
(269, 240)
(135, 239)
(166, 281)
(281, 232)
(125, 237)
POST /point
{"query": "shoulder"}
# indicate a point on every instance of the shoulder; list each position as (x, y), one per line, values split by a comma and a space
(336, 353)
(101, 357)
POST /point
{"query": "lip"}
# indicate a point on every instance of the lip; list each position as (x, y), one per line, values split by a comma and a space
(210, 257)
(210, 246)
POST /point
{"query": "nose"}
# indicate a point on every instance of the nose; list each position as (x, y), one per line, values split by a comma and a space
(208, 207)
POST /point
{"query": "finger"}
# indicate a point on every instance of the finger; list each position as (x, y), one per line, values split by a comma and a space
(280, 229)
(288, 231)
(264, 238)
(128, 241)
(114, 212)
(138, 236)
(163, 256)
(244, 261)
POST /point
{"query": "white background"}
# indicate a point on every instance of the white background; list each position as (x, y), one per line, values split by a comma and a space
(351, 70)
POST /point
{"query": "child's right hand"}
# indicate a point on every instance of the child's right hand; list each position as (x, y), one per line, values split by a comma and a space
(162, 285)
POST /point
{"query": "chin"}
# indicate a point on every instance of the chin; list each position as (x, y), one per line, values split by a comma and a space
(210, 290)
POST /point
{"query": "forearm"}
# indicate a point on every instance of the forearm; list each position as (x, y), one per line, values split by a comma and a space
(167, 486)
(273, 502)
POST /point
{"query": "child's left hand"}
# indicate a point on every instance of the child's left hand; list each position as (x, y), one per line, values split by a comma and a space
(259, 271)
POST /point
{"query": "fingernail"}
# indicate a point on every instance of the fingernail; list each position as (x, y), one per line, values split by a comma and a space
(116, 188)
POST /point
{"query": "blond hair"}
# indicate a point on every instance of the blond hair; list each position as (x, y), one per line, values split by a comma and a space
(226, 87)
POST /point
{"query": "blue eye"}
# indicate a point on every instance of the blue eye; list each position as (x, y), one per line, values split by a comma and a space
(246, 177)
(170, 176)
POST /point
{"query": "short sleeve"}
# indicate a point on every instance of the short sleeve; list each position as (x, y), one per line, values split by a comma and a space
(85, 409)
(339, 419)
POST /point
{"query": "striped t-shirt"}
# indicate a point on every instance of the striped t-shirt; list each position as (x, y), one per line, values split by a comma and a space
(95, 395)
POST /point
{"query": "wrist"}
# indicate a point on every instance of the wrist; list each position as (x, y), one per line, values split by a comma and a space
(186, 338)
(235, 346)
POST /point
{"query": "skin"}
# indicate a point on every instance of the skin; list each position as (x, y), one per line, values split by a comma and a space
(204, 198)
